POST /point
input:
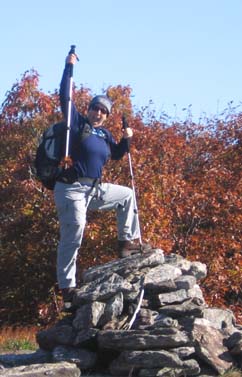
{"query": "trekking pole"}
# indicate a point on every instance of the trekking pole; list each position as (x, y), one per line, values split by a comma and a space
(125, 125)
(67, 159)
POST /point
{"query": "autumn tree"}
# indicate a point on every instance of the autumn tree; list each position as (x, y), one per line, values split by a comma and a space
(188, 187)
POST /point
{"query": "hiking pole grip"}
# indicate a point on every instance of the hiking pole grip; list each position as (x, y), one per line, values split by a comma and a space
(72, 51)
(124, 122)
(124, 126)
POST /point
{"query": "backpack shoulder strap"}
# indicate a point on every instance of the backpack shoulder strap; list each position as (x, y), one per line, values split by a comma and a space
(86, 131)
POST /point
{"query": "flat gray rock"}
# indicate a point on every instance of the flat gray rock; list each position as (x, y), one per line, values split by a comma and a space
(42, 370)
(125, 266)
(141, 339)
(36, 357)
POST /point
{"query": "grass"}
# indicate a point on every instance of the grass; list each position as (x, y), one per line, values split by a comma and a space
(18, 339)
(233, 373)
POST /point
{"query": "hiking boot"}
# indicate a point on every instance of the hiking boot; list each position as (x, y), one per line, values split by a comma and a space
(128, 248)
(67, 295)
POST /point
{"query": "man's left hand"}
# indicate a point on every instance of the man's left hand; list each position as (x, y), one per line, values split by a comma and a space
(127, 133)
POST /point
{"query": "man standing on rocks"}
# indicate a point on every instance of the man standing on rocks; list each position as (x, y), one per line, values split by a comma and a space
(79, 187)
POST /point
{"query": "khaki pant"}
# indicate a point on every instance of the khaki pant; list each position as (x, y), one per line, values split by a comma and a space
(72, 202)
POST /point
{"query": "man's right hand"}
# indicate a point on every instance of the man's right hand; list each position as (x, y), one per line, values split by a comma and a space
(71, 59)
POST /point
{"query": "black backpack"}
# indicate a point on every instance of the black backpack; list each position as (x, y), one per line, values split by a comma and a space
(51, 151)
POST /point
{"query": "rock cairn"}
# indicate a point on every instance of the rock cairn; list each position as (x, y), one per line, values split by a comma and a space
(145, 315)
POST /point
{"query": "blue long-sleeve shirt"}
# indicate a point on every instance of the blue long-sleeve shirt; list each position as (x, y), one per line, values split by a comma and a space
(89, 154)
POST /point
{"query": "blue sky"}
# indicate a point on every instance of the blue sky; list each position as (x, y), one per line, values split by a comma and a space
(174, 52)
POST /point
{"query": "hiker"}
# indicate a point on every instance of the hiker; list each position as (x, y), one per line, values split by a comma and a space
(79, 187)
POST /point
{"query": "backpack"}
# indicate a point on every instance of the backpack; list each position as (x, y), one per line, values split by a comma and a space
(51, 151)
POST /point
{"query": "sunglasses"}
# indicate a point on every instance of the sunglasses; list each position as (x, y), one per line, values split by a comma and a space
(98, 108)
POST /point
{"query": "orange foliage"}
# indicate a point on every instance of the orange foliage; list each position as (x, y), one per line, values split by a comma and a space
(188, 186)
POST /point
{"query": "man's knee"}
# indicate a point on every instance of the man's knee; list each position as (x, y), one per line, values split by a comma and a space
(129, 192)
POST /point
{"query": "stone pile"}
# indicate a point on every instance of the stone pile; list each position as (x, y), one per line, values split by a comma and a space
(145, 315)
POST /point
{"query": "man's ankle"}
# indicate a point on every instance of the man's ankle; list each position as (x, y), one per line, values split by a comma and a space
(127, 248)
(67, 296)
